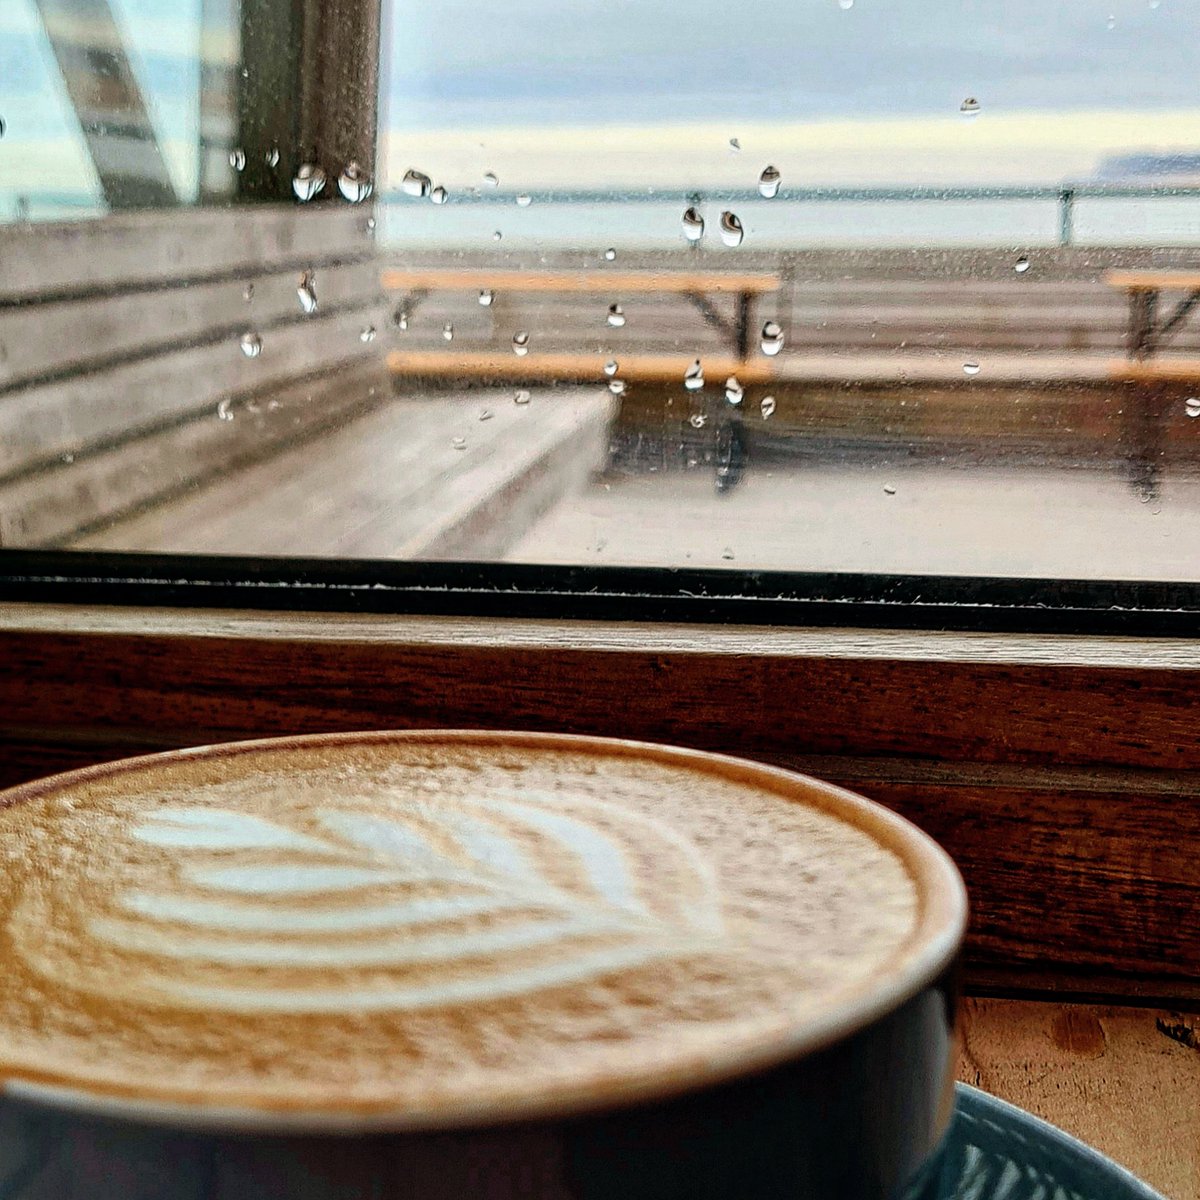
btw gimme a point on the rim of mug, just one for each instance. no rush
(926, 954)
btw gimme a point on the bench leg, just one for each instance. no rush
(741, 332)
(1143, 307)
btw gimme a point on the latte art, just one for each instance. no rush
(426, 926)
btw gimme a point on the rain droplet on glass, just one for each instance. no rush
(354, 183)
(271, 158)
(251, 344)
(486, 296)
(248, 292)
(845, 5)
(521, 397)
(734, 144)
(734, 392)
(491, 179)
(772, 338)
(697, 420)
(497, 236)
(308, 182)
(1191, 406)
(768, 182)
(609, 254)
(616, 316)
(617, 387)
(969, 107)
(1021, 265)
(731, 229)
(693, 225)
(448, 332)
(520, 344)
(237, 159)
(459, 443)
(439, 195)
(889, 489)
(3, 127)
(693, 377)
(485, 414)
(400, 319)
(727, 554)
(225, 410)
(306, 291)
(1112, 21)
(414, 183)
(524, 200)
(611, 367)
(767, 407)
(970, 367)
(367, 333)
(369, 224)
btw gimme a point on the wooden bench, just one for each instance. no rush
(1147, 331)
(696, 286)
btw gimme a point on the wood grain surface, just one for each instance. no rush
(1124, 1080)
(1062, 774)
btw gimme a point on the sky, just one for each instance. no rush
(629, 93)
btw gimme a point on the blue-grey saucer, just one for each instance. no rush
(997, 1152)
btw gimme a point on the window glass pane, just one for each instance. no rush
(842, 286)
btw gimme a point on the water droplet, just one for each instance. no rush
(772, 338)
(1191, 406)
(237, 159)
(369, 224)
(845, 5)
(251, 344)
(616, 316)
(354, 183)
(497, 236)
(448, 332)
(767, 406)
(1021, 265)
(439, 195)
(414, 183)
(68, 458)
(309, 182)
(225, 410)
(520, 344)
(367, 333)
(611, 367)
(485, 414)
(521, 397)
(459, 443)
(693, 225)
(734, 392)
(768, 182)
(245, 72)
(617, 387)
(400, 318)
(1153, 4)
(697, 420)
(693, 377)
(271, 158)
(609, 254)
(727, 554)
(248, 292)
(971, 367)
(3, 127)
(731, 229)
(969, 107)
(486, 297)
(524, 201)
(889, 489)
(491, 179)
(1112, 21)
(734, 145)
(306, 291)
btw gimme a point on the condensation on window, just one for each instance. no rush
(844, 286)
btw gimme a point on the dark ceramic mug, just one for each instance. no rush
(852, 1104)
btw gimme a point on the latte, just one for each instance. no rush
(432, 929)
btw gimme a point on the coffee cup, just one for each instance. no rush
(460, 964)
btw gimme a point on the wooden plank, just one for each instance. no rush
(40, 424)
(43, 339)
(411, 479)
(138, 250)
(553, 365)
(1152, 281)
(60, 502)
(1124, 1080)
(618, 283)
(1157, 370)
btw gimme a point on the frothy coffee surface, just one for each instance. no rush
(424, 926)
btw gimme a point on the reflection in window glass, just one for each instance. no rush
(844, 286)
